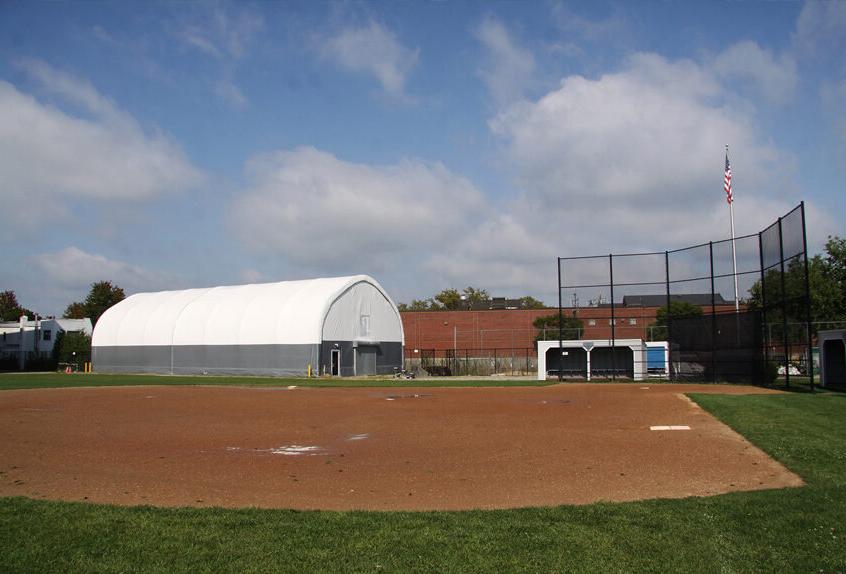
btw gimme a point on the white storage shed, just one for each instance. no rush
(339, 326)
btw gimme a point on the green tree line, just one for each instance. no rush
(826, 282)
(454, 300)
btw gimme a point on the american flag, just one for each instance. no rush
(727, 181)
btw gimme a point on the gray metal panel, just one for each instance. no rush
(202, 359)
(388, 356)
(365, 361)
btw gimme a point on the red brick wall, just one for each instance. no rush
(470, 329)
(512, 329)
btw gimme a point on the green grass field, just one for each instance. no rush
(793, 530)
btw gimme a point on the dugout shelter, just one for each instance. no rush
(339, 326)
(597, 358)
(832, 357)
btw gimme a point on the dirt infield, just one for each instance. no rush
(413, 449)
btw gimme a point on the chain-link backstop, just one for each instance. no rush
(713, 331)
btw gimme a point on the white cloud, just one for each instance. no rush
(228, 91)
(225, 36)
(375, 51)
(313, 209)
(819, 41)
(74, 270)
(652, 133)
(510, 69)
(773, 78)
(821, 27)
(505, 254)
(629, 161)
(610, 28)
(48, 156)
(73, 90)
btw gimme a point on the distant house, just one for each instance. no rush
(36, 338)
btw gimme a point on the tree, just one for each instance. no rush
(70, 342)
(676, 310)
(454, 300)
(835, 266)
(75, 311)
(547, 326)
(531, 303)
(474, 295)
(102, 296)
(10, 310)
(826, 283)
(448, 299)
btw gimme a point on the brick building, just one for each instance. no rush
(512, 328)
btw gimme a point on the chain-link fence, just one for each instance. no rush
(474, 362)
(731, 310)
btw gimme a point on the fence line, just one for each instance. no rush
(721, 343)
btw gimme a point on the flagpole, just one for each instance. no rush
(733, 250)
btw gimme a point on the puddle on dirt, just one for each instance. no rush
(286, 450)
(362, 436)
(555, 402)
(297, 450)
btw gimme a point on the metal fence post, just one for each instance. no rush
(668, 315)
(613, 317)
(713, 317)
(784, 335)
(560, 324)
(807, 299)
(765, 332)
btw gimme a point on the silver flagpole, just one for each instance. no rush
(733, 248)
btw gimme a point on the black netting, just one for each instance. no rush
(729, 310)
(720, 347)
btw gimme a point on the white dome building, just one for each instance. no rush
(340, 326)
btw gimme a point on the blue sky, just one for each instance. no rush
(429, 144)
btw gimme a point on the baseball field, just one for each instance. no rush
(160, 474)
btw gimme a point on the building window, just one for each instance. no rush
(632, 321)
(48, 335)
(591, 322)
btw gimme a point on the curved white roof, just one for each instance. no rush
(284, 313)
